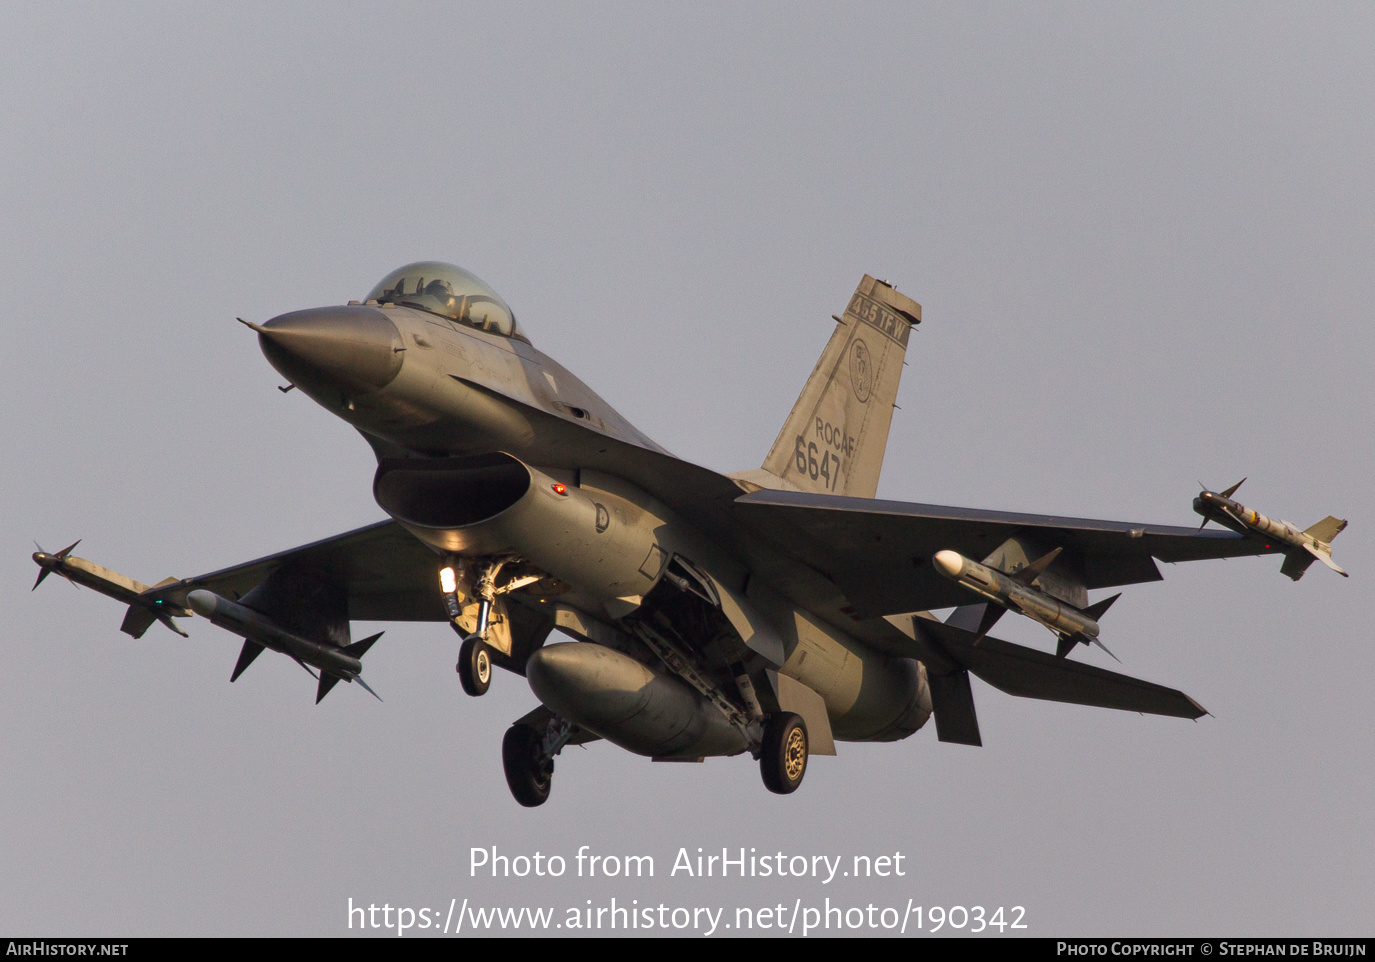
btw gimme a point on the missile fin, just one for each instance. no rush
(327, 681)
(166, 619)
(1096, 610)
(1202, 488)
(360, 648)
(366, 687)
(136, 621)
(250, 650)
(1233, 489)
(1326, 559)
(1105, 648)
(42, 573)
(977, 619)
(966, 617)
(1296, 563)
(60, 556)
(990, 618)
(1064, 646)
(1025, 576)
(1326, 529)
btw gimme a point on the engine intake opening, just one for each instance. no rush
(449, 492)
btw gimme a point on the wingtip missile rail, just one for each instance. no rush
(146, 603)
(1301, 548)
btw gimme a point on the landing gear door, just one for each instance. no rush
(796, 697)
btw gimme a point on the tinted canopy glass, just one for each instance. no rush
(450, 292)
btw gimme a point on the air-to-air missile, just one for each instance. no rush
(1300, 547)
(143, 609)
(336, 663)
(1014, 592)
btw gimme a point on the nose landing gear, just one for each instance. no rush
(474, 666)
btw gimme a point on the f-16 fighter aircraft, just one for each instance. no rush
(772, 612)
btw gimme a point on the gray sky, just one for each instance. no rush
(1142, 239)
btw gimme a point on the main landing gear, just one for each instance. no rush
(783, 756)
(529, 773)
(527, 757)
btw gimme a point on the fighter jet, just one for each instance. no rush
(773, 612)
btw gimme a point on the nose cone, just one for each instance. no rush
(354, 349)
(948, 563)
(202, 602)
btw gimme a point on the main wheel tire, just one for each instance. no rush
(783, 760)
(474, 666)
(527, 776)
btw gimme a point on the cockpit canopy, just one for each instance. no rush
(450, 292)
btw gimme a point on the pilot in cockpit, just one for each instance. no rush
(449, 292)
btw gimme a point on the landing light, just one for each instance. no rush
(447, 582)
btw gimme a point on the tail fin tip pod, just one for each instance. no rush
(834, 440)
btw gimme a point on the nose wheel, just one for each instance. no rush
(783, 756)
(474, 666)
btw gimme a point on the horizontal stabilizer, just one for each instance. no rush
(1029, 673)
(1327, 529)
(952, 702)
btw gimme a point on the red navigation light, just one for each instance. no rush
(560, 489)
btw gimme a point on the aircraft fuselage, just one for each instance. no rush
(420, 386)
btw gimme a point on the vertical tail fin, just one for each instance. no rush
(835, 437)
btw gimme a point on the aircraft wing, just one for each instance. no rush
(387, 573)
(879, 552)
